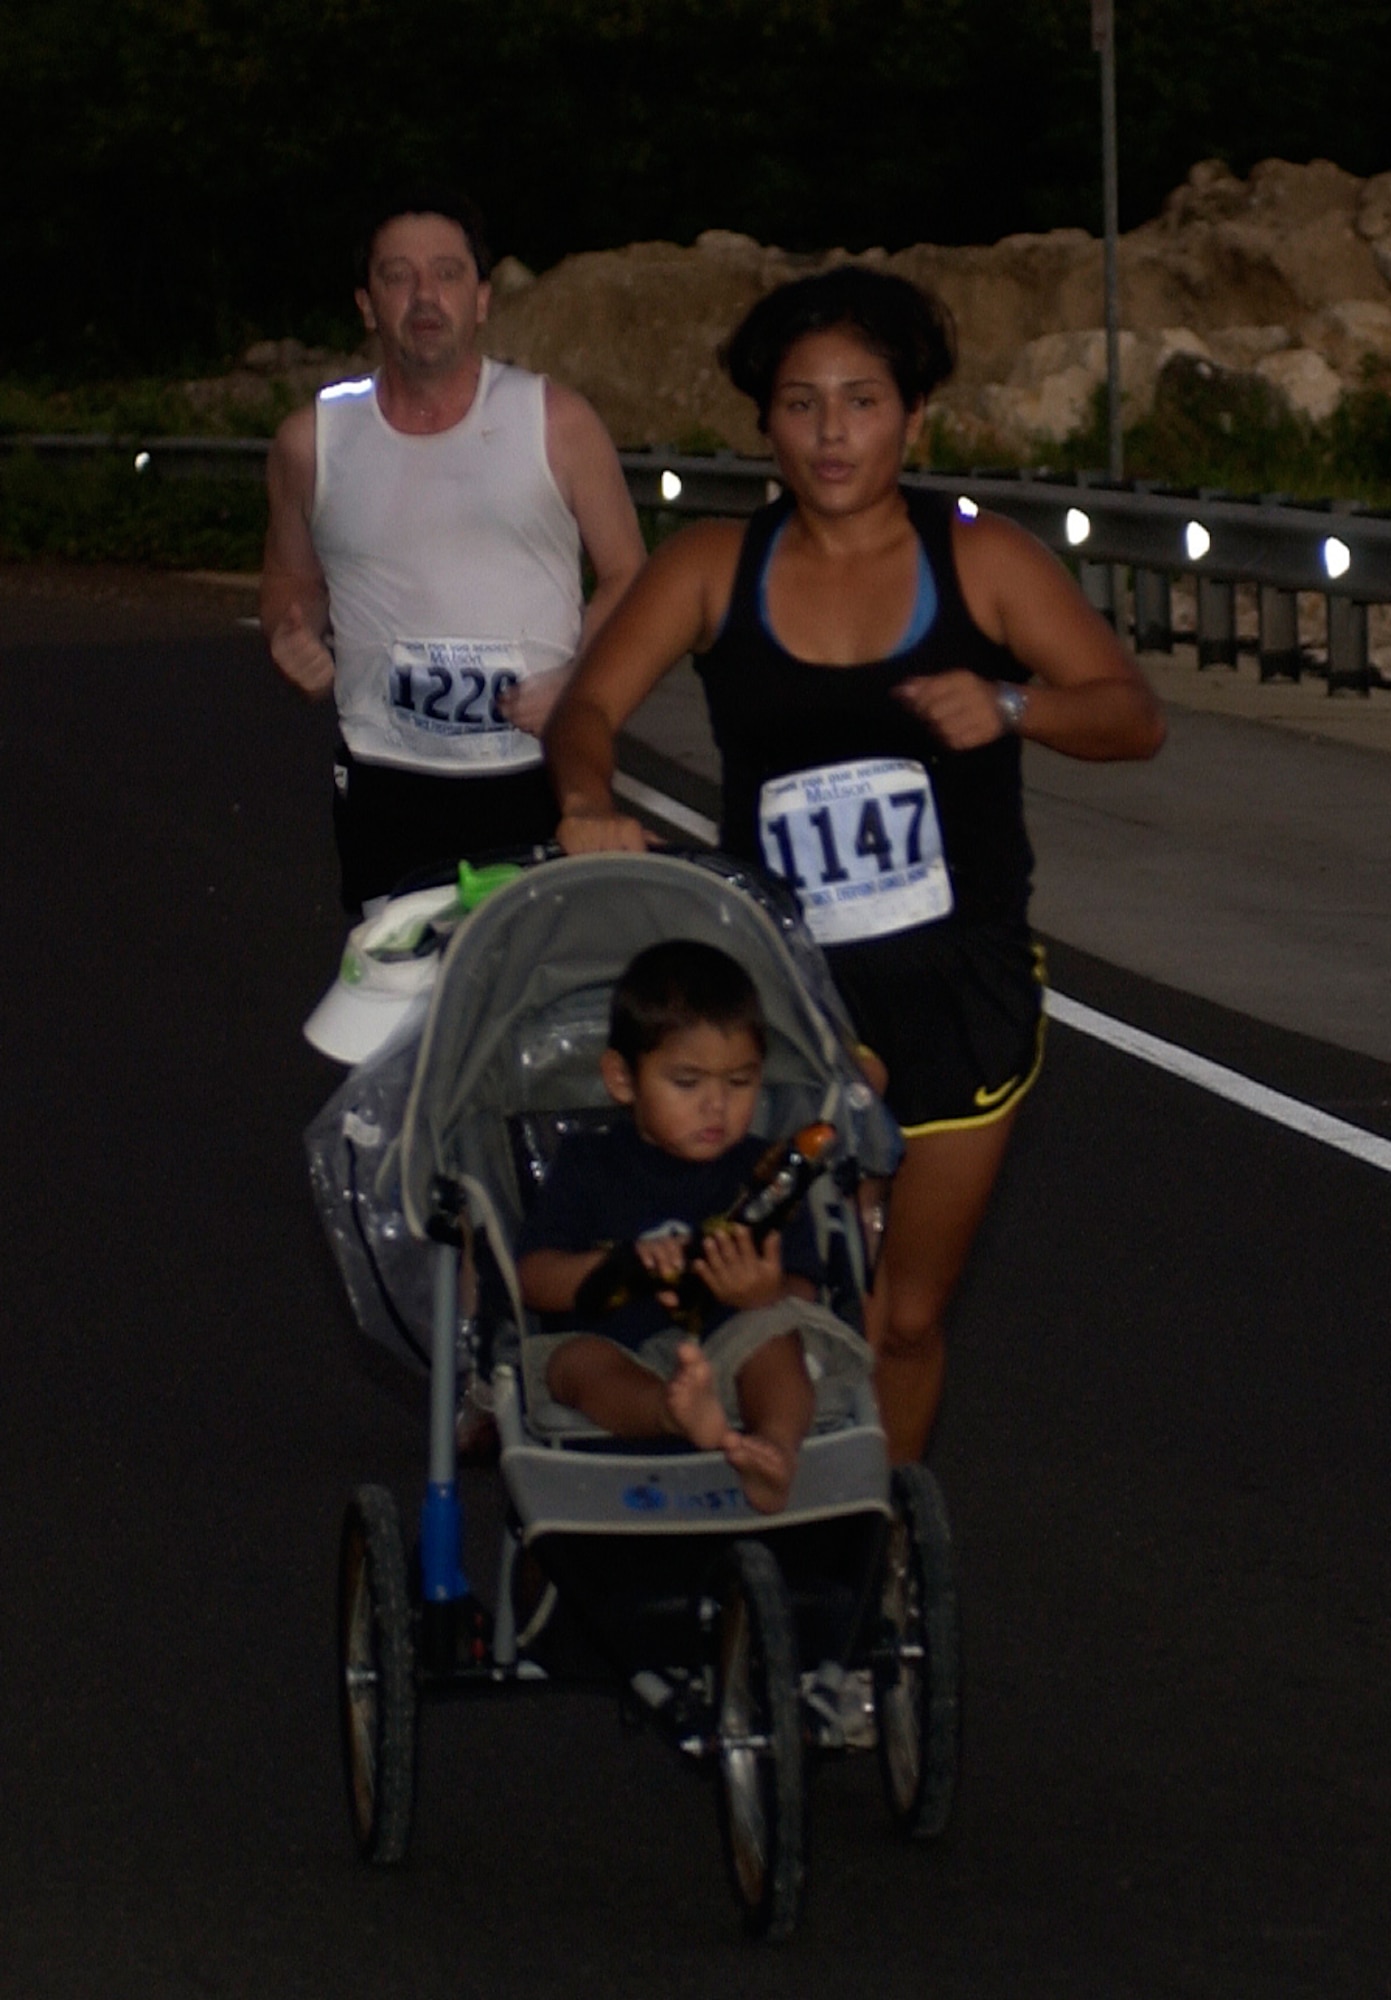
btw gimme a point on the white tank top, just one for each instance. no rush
(453, 568)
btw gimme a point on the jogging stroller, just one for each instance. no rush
(732, 1630)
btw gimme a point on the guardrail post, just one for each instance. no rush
(1098, 581)
(1280, 656)
(1154, 612)
(1216, 622)
(1348, 665)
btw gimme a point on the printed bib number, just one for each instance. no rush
(861, 845)
(450, 692)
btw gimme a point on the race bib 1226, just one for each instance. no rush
(450, 691)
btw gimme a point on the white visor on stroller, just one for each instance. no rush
(386, 976)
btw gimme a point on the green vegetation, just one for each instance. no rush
(697, 441)
(1252, 443)
(147, 407)
(102, 510)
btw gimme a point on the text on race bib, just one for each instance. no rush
(453, 687)
(860, 844)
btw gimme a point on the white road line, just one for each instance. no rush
(1211, 1076)
(670, 810)
(1228, 1083)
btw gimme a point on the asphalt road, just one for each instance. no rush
(1164, 1449)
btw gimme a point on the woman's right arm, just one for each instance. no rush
(674, 607)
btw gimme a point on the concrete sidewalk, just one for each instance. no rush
(1249, 864)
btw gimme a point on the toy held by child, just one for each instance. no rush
(770, 1196)
(685, 1057)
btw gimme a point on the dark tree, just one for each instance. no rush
(177, 176)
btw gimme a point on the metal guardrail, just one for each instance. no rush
(1339, 551)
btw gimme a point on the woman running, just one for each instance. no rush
(872, 657)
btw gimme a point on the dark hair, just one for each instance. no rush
(681, 984)
(908, 327)
(449, 202)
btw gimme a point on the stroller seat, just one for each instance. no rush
(833, 1358)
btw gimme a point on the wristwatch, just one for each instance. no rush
(1012, 703)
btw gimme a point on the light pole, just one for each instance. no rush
(1104, 42)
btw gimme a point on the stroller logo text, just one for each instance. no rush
(650, 1498)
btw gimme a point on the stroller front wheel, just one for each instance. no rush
(376, 1686)
(759, 1742)
(917, 1674)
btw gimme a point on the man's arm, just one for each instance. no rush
(294, 593)
(585, 467)
(591, 482)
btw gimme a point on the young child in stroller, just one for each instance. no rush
(685, 1057)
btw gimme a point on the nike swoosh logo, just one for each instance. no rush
(984, 1098)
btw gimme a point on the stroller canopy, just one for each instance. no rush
(520, 1012)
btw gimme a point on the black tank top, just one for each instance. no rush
(773, 714)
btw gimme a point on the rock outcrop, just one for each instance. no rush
(1284, 276)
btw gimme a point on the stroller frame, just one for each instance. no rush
(700, 1605)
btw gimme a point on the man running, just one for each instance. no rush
(423, 560)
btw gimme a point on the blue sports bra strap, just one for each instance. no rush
(756, 557)
(765, 525)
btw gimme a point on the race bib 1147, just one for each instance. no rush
(860, 843)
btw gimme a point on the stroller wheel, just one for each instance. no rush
(758, 1741)
(376, 1687)
(917, 1675)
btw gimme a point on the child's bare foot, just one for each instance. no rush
(765, 1469)
(691, 1402)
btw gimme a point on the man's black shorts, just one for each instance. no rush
(392, 825)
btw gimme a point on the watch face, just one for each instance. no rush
(1012, 702)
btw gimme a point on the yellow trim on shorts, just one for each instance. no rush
(1017, 1088)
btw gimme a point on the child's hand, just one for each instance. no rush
(738, 1272)
(664, 1258)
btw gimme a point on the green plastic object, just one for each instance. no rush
(477, 883)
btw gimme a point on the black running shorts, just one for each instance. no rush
(394, 825)
(954, 1012)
